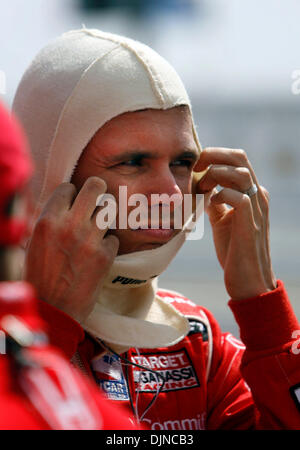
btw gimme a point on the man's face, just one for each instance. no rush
(149, 152)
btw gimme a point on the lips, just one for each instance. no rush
(158, 234)
(156, 226)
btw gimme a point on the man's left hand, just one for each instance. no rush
(240, 233)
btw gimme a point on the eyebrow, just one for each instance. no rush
(141, 154)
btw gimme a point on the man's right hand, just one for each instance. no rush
(68, 256)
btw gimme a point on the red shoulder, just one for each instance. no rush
(183, 304)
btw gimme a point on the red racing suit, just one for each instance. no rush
(210, 379)
(39, 388)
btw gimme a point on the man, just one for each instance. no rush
(103, 112)
(38, 388)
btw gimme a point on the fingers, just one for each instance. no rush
(228, 176)
(83, 205)
(112, 244)
(230, 168)
(214, 211)
(61, 200)
(106, 248)
(73, 217)
(237, 200)
(86, 200)
(227, 156)
(223, 155)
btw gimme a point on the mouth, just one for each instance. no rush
(160, 235)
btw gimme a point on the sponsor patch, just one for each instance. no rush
(126, 280)
(295, 393)
(196, 326)
(175, 369)
(109, 375)
(191, 423)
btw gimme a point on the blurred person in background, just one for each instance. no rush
(39, 389)
(103, 111)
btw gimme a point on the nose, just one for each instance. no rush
(162, 181)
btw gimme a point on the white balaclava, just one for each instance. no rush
(71, 89)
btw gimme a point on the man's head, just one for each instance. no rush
(90, 96)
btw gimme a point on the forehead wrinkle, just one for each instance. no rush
(105, 145)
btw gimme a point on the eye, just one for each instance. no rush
(132, 162)
(182, 163)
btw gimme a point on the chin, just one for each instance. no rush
(139, 240)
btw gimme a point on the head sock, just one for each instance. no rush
(73, 87)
